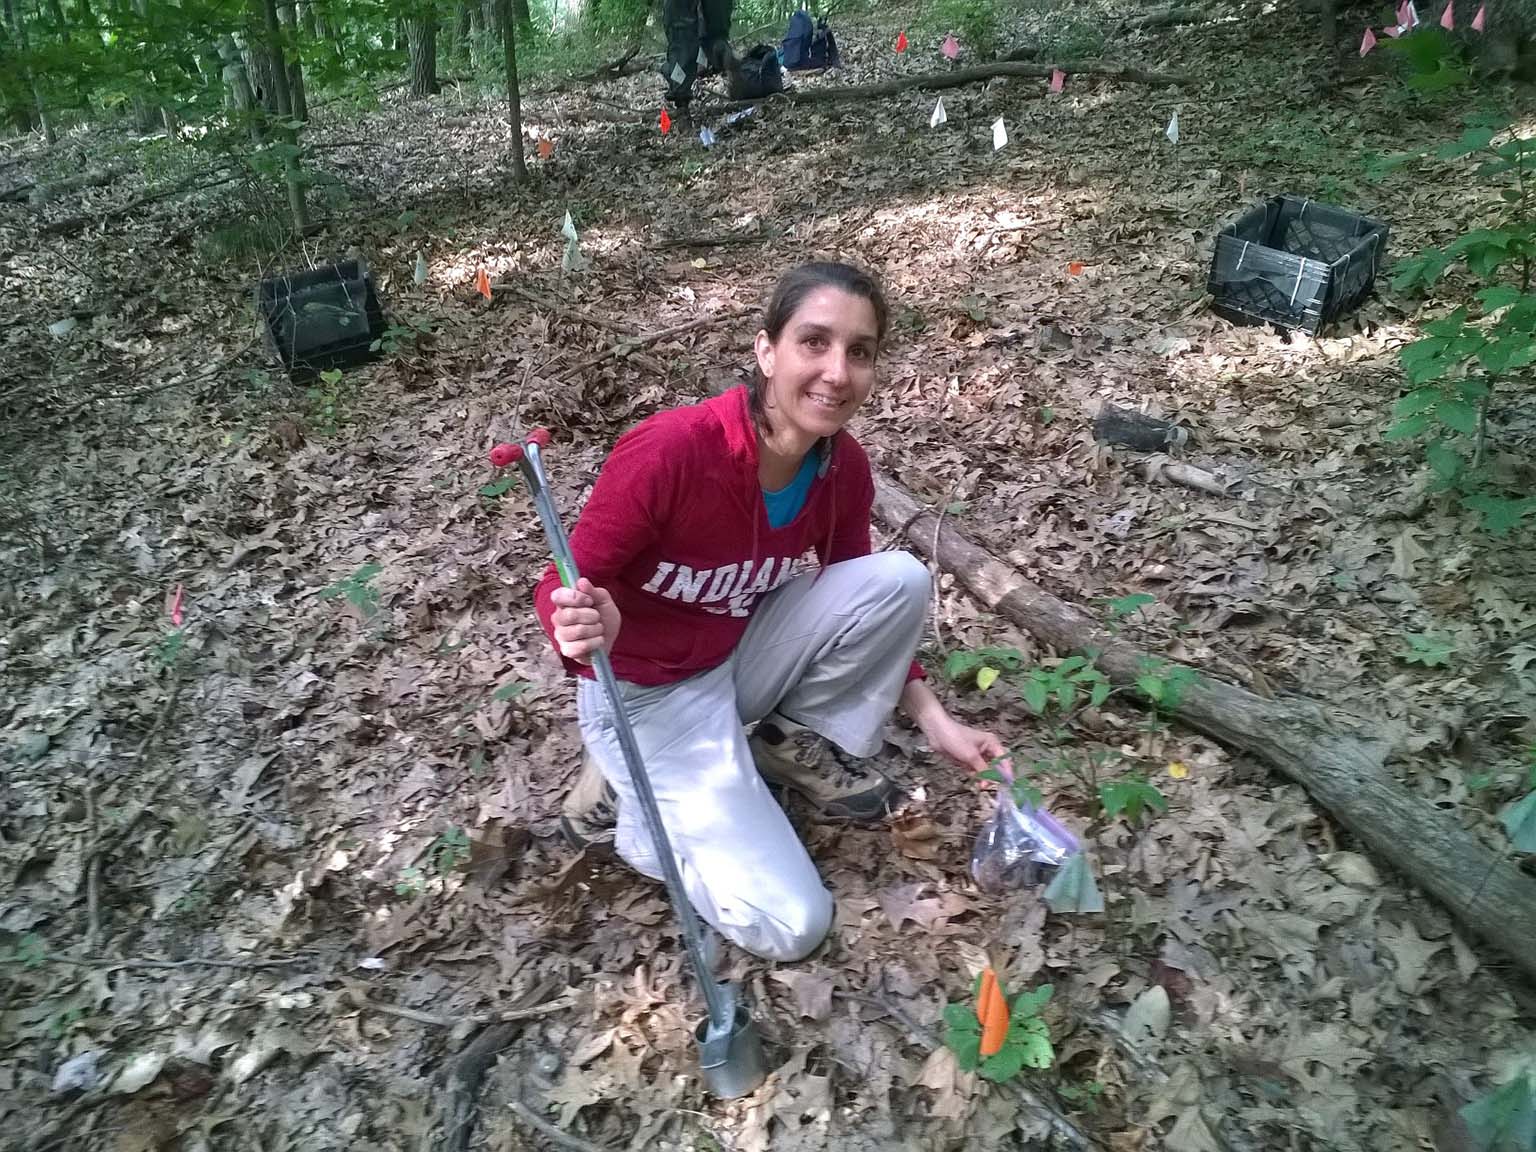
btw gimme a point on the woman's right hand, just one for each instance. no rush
(586, 620)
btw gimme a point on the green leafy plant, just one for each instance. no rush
(1063, 684)
(450, 850)
(29, 952)
(1432, 60)
(1164, 683)
(357, 589)
(499, 487)
(403, 338)
(1430, 651)
(1084, 1096)
(1122, 606)
(983, 665)
(1027, 1044)
(328, 402)
(1467, 358)
(1505, 1119)
(168, 651)
(973, 22)
(1519, 815)
(1130, 796)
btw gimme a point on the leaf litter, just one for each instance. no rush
(1253, 980)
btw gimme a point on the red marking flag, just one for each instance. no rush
(666, 122)
(901, 41)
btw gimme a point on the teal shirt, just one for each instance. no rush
(785, 504)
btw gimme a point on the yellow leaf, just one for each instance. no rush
(986, 678)
(700, 262)
(1178, 769)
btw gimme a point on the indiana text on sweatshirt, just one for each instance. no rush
(677, 531)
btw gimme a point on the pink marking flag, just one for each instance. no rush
(951, 48)
(1448, 18)
(1395, 31)
(1480, 21)
(176, 616)
(1367, 42)
(1058, 79)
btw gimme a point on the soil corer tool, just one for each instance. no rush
(730, 1051)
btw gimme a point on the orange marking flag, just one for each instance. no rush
(546, 148)
(992, 1011)
(483, 283)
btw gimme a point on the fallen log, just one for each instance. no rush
(1166, 18)
(1344, 770)
(933, 81)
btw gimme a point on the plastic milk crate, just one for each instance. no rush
(326, 317)
(1296, 263)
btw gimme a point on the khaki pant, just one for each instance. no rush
(830, 653)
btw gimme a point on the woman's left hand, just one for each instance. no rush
(970, 748)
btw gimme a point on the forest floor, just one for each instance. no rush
(340, 778)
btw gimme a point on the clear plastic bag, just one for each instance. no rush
(1017, 844)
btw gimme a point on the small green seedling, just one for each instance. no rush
(1430, 651)
(1062, 684)
(1130, 796)
(358, 591)
(985, 664)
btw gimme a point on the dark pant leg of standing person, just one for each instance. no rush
(681, 18)
(717, 33)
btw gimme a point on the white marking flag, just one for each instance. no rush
(1172, 131)
(999, 134)
(938, 116)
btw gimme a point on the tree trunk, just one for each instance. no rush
(1344, 772)
(514, 96)
(298, 101)
(459, 49)
(476, 32)
(311, 19)
(421, 31)
(292, 177)
(523, 15)
(39, 110)
(238, 96)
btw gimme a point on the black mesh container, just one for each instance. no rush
(327, 317)
(1296, 263)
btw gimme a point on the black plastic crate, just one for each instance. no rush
(326, 317)
(1296, 263)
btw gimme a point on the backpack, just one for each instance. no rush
(824, 47)
(756, 74)
(797, 40)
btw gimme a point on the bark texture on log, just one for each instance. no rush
(1344, 771)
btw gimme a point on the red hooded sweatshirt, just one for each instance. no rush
(677, 530)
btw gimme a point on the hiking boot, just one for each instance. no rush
(841, 786)
(591, 810)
